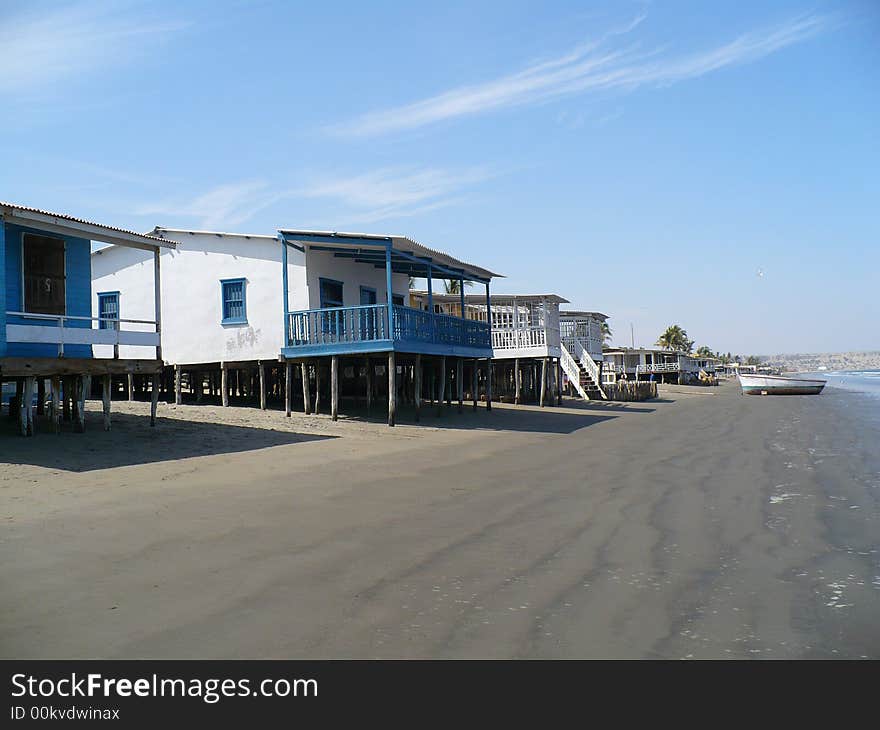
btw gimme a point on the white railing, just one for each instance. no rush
(63, 329)
(580, 353)
(658, 367)
(518, 339)
(571, 369)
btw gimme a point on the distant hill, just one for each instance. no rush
(830, 360)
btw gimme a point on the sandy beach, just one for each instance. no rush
(701, 525)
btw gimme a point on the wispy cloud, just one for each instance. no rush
(396, 192)
(219, 207)
(42, 46)
(590, 67)
(383, 194)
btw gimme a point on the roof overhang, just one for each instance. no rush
(66, 225)
(407, 256)
(573, 314)
(494, 298)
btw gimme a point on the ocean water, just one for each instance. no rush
(866, 382)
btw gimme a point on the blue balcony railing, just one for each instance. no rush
(368, 323)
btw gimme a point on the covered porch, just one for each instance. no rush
(407, 338)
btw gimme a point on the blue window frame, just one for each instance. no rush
(234, 301)
(331, 293)
(108, 308)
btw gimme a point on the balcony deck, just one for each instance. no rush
(361, 329)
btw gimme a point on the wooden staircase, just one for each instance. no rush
(579, 374)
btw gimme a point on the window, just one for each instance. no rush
(331, 293)
(234, 304)
(43, 274)
(108, 309)
(397, 299)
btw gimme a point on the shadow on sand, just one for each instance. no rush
(131, 441)
(504, 417)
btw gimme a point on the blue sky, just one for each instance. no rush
(711, 164)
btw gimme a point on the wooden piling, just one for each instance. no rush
(307, 401)
(261, 366)
(178, 395)
(417, 387)
(56, 404)
(516, 381)
(334, 387)
(318, 386)
(105, 398)
(288, 391)
(79, 417)
(392, 388)
(459, 381)
(41, 396)
(130, 380)
(26, 412)
(442, 391)
(543, 385)
(488, 384)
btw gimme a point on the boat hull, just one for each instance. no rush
(779, 385)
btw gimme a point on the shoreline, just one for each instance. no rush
(685, 527)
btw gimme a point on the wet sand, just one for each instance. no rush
(705, 524)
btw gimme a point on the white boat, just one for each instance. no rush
(779, 385)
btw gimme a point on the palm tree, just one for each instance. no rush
(704, 351)
(453, 286)
(675, 338)
(606, 333)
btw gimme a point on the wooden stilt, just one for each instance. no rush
(392, 389)
(105, 398)
(307, 400)
(558, 382)
(442, 391)
(334, 387)
(543, 385)
(489, 384)
(516, 381)
(288, 391)
(262, 369)
(417, 386)
(178, 395)
(56, 404)
(369, 385)
(79, 417)
(459, 381)
(26, 410)
(41, 396)
(475, 384)
(224, 384)
(317, 386)
(130, 386)
(15, 413)
(67, 397)
(154, 398)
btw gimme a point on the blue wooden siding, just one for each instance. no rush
(78, 291)
(2, 288)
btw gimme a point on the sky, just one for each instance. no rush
(714, 165)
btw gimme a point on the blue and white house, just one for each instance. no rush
(241, 310)
(48, 331)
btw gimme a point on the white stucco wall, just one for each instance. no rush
(353, 276)
(192, 331)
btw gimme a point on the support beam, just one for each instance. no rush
(224, 384)
(392, 388)
(442, 393)
(459, 381)
(157, 293)
(79, 416)
(543, 386)
(261, 366)
(558, 382)
(130, 380)
(474, 375)
(417, 378)
(105, 399)
(369, 385)
(56, 404)
(288, 381)
(67, 397)
(154, 399)
(178, 395)
(307, 399)
(25, 412)
(41, 395)
(516, 381)
(318, 386)
(488, 384)
(334, 387)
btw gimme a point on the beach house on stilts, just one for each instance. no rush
(255, 318)
(582, 335)
(362, 329)
(49, 333)
(526, 346)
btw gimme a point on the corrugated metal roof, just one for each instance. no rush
(111, 234)
(402, 243)
(481, 298)
(577, 313)
(159, 230)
